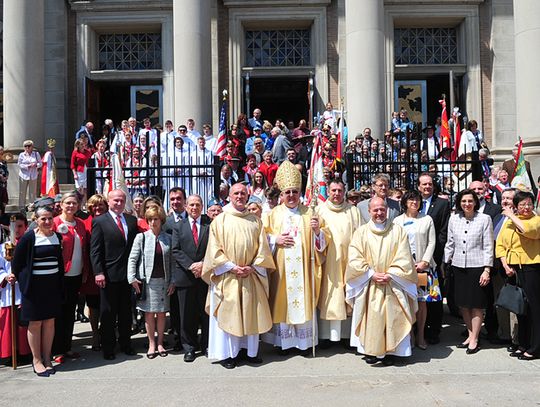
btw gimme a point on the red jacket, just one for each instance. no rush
(269, 172)
(79, 159)
(68, 243)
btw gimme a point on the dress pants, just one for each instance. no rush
(63, 325)
(191, 301)
(174, 314)
(529, 325)
(115, 305)
(27, 186)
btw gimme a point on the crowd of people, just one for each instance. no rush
(368, 267)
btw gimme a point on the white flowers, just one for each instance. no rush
(63, 229)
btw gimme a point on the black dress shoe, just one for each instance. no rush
(284, 352)
(512, 348)
(189, 356)
(228, 363)
(462, 345)
(109, 356)
(129, 352)
(526, 357)
(472, 351)
(371, 360)
(388, 360)
(516, 354)
(254, 360)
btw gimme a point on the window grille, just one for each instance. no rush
(278, 48)
(130, 51)
(420, 46)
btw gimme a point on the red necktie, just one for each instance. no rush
(195, 233)
(121, 227)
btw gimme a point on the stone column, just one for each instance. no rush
(364, 22)
(23, 72)
(192, 61)
(527, 34)
(24, 83)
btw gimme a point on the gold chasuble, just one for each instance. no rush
(342, 221)
(241, 304)
(290, 286)
(383, 315)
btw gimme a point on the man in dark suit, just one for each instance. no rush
(493, 210)
(439, 210)
(177, 203)
(110, 244)
(189, 241)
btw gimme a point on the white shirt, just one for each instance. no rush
(25, 160)
(76, 257)
(197, 222)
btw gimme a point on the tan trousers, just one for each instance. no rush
(27, 186)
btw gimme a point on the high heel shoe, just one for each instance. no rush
(45, 373)
(473, 350)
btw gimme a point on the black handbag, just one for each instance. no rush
(512, 298)
(142, 287)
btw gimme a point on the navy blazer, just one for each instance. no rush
(185, 252)
(23, 260)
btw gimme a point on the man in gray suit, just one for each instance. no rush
(177, 203)
(380, 185)
(281, 145)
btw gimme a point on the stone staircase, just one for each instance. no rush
(13, 204)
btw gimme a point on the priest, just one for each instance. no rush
(342, 220)
(298, 240)
(236, 264)
(381, 288)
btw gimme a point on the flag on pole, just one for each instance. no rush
(222, 135)
(521, 179)
(117, 181)
(445, 133)
(340, 135)
(316, 185)
(457, 132)
(49, 178)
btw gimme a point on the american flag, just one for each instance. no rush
(222, 135)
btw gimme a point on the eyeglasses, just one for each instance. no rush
(525, 205)
(291, 192)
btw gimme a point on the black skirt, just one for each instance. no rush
(44, 298)
(467, 290)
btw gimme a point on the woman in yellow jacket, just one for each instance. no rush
(518, 247)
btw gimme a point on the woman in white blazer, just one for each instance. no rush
(422, 239)
(149, 272)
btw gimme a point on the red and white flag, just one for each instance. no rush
(316, 185)
(49, 179)
(445, 133)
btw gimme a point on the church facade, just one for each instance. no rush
(65, 62)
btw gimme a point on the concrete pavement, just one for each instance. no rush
(440, 375)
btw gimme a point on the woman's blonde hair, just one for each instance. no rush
(155, 212)
(94, 201)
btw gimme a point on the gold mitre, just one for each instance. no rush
(51, 143)
(288, 176)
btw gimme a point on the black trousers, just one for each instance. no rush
(191, 302)
(115, 306)
(174, 314)
(529, 325)
(63, 325)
